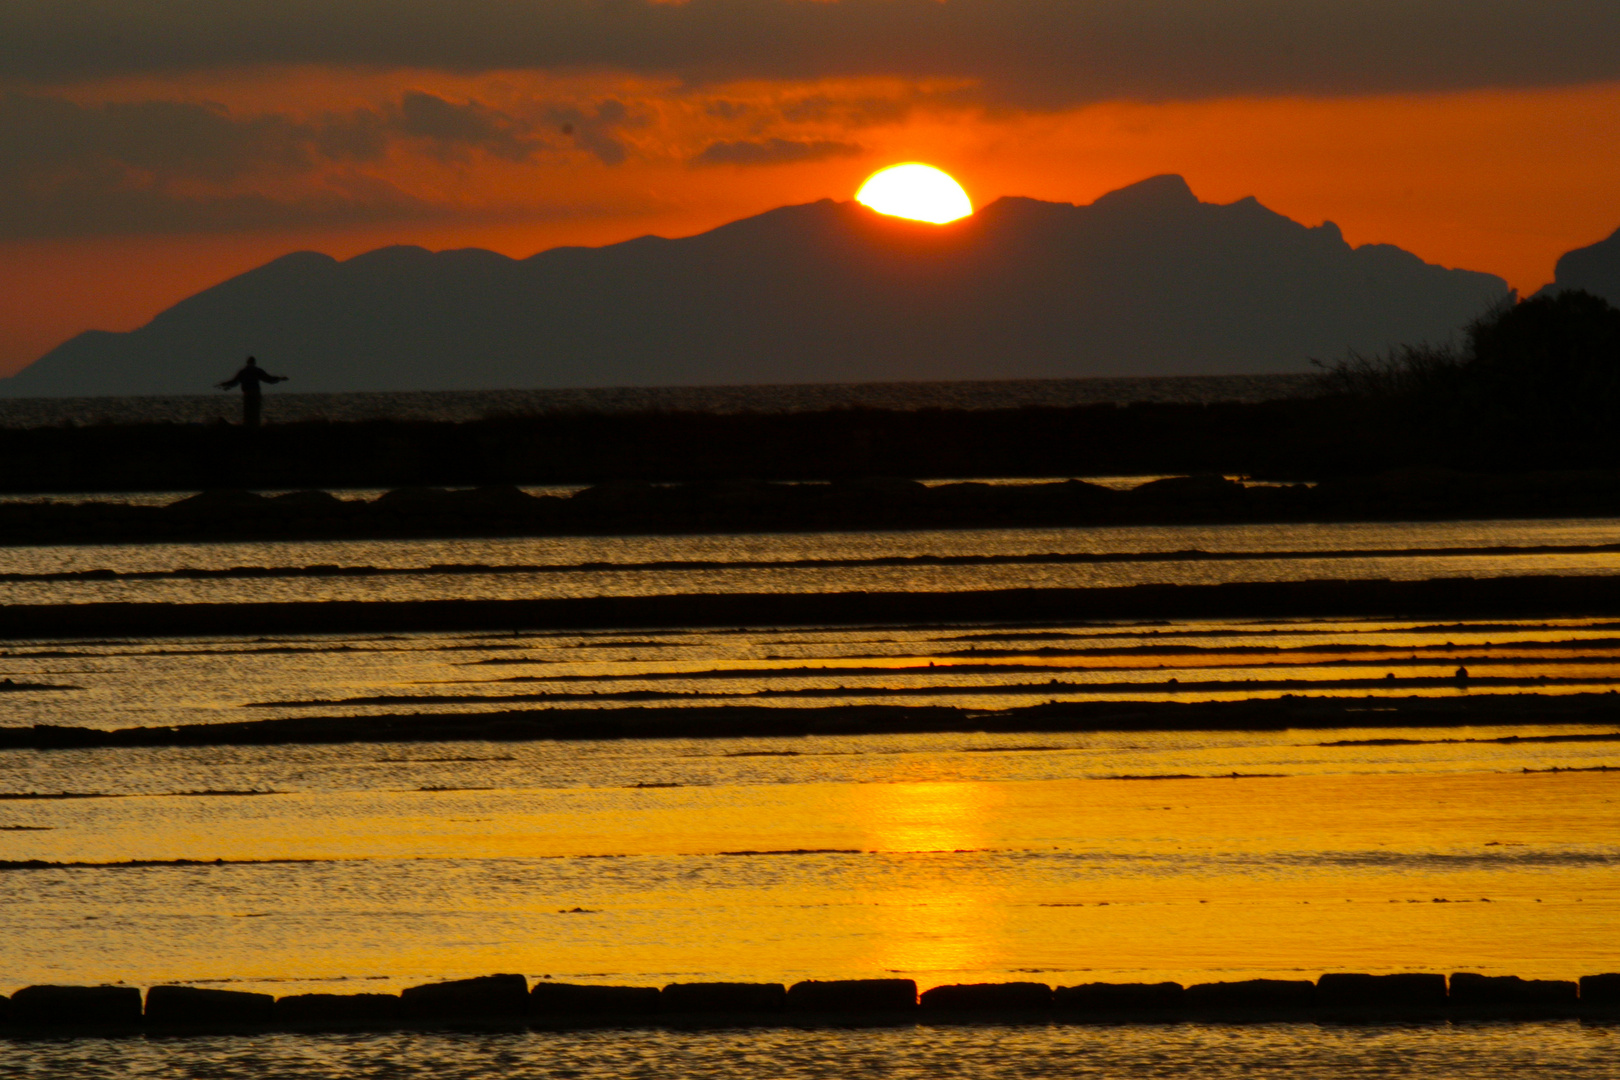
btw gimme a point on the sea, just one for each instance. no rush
(969, 856)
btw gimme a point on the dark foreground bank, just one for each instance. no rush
(1288, 438)
(508, 1000)
(627, 507)
(1545, 419)
(1290, 711)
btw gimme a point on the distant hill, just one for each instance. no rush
(1145, 281)
(1594, 269)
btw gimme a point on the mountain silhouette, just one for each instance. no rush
(1594, 269)
(1147, 280)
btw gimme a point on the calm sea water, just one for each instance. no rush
(1062, 858)
(473, 405)
(1296, 1052)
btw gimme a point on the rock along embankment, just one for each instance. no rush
(509, 1001)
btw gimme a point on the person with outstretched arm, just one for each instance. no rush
(250, 378)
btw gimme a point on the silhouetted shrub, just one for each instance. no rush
(1545, 369)
(1406, 373)
(1552, 363)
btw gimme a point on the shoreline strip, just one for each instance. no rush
(1543, 596)
(755, 721)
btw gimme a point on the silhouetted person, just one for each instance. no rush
(249, 379)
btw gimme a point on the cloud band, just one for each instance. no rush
(1031, 53)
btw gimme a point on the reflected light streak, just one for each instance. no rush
(940, 925)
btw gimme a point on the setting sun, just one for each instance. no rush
(916, 191)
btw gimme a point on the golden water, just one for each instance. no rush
(944, 858)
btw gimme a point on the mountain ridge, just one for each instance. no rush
(1146, 280)
(1594, 268)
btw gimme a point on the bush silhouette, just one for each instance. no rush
(1547, 368)
(1548, 364)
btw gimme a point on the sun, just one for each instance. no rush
(917, 191)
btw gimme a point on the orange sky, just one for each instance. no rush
(274, 160)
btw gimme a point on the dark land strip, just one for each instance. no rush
(1502, 740)
(619, 509)
(327, 570)
(1300, 438)
(1347, 649)
(504, 642)
(135, 864)
(29, 796)
(1456, 598)
(1349, 654)
(1053, 686)
(737, 721)
(32, 795)
(1574, 768)
(1160, 630)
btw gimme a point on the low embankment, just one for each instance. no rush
(670, 445)
(509, 1000)
(1542, 596)
(764, 721)
(1298, 438)
(624, 508)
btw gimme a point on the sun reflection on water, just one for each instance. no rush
(944, 921)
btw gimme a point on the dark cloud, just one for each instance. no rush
(772, 152)
(721, 109)
(102, 204)
(160, 166)
(208, 142)
(460, 127)
(361, 135)
(596, 131)
(863, 111)
(1032, 52)
(43, 135)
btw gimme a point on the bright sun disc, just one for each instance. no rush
(916, 191)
